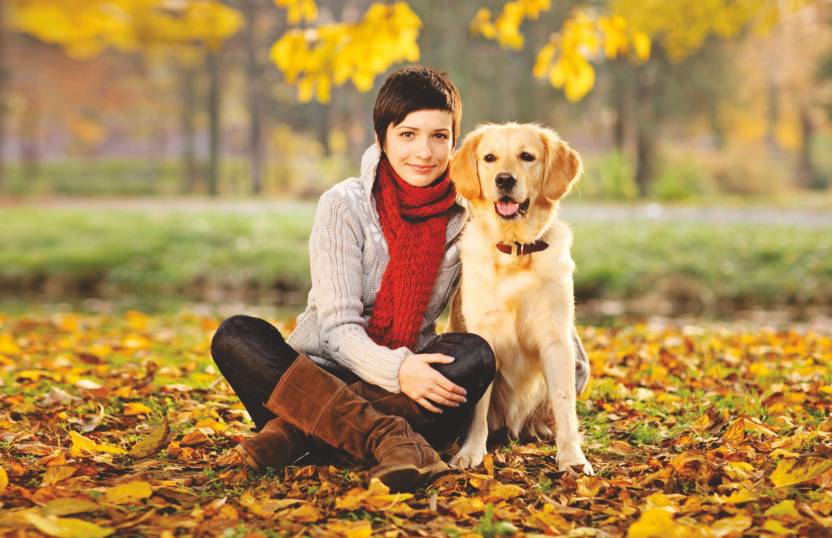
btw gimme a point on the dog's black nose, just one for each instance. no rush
(505, 181)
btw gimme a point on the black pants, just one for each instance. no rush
(252, 355)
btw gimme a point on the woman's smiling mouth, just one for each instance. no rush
(421, 169)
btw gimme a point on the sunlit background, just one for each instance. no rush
(167, 154)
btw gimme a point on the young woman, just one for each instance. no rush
(364, 370)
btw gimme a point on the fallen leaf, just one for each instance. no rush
(196, 437)
(772, 525)
(129, 492)
(66, 506)
(55, 474)
(150, 443)
(306, 513)
(4, 479)
(730, 525)
(82, 446)
(795, 471)
(783, 508)
(136, 408)
(657, 523)
(503, 492)
(66, 527)
(351, 529)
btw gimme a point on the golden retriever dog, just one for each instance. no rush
(516, 289)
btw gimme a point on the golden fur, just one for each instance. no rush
(523, 305)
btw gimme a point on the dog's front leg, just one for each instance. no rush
(474, 448)
(559, 370)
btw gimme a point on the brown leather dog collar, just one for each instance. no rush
(521, 249)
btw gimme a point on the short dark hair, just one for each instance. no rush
(413, 88)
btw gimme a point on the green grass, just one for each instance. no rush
(212, 256)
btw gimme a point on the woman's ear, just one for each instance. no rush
(562, 166)
(464, 171)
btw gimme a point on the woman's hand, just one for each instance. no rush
(424, 385)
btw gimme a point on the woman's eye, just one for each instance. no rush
(490, 158)
(527, 156)
(442, 136)
(407, 134)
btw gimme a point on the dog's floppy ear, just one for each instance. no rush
(561, 168)
(464, 171)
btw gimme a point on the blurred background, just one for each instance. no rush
(167, 154)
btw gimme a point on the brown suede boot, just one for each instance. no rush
(323, 406)
(279, 443)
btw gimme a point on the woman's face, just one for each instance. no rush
(419, 148)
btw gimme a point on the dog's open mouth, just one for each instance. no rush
(509, 209)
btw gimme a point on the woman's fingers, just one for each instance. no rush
(448, 396)
(427, 405)
(442, 400)
(437, 357)
(449, 385)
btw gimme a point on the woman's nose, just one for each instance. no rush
(424, 150)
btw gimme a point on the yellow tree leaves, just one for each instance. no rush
(66, 527)
(506, 27)
(682, 26)
(566, 59)
(298, 10)
(332, 54)
(84, 28)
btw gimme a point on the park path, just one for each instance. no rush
(570, 211)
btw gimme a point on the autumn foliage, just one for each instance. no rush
(111, 425)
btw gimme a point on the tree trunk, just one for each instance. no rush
(29, 147)
(188, 110)
(645, 131)
(213, 122)
(254, 77)
(807, 171)
(773, 116)
(3, 75)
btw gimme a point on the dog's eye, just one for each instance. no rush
(490, 158)
(526, 156)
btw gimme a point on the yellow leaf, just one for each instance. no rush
(795, 471)
(730, 525)
(7, 345)
(464, 506)
(214, 424)
(772, 525)
(82, 446)
(136, 408)
(503, 492)
(4, 479)
(129, 492)
(55, 474)
(150, 443)
(740, 496)
(65, 506)
(641, 44)
(66, 527)
(784, 508)
(657, 523)
(306, 513)
(351, 529)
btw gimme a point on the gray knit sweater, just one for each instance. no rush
(347, 256)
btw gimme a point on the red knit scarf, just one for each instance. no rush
(414, 221)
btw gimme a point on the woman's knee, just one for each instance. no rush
(475, 364)
(227, 333)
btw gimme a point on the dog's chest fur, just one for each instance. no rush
(513, 302)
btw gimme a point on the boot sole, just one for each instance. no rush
(408, 476)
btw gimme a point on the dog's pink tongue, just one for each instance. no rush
(507, 209)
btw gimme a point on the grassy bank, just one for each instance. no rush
(262, 256)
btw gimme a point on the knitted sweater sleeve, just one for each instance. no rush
(335, 256)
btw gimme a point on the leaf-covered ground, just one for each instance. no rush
(112, 426)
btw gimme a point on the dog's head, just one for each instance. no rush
(514, 167)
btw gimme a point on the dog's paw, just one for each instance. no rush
(468, 457)
(575, 463)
